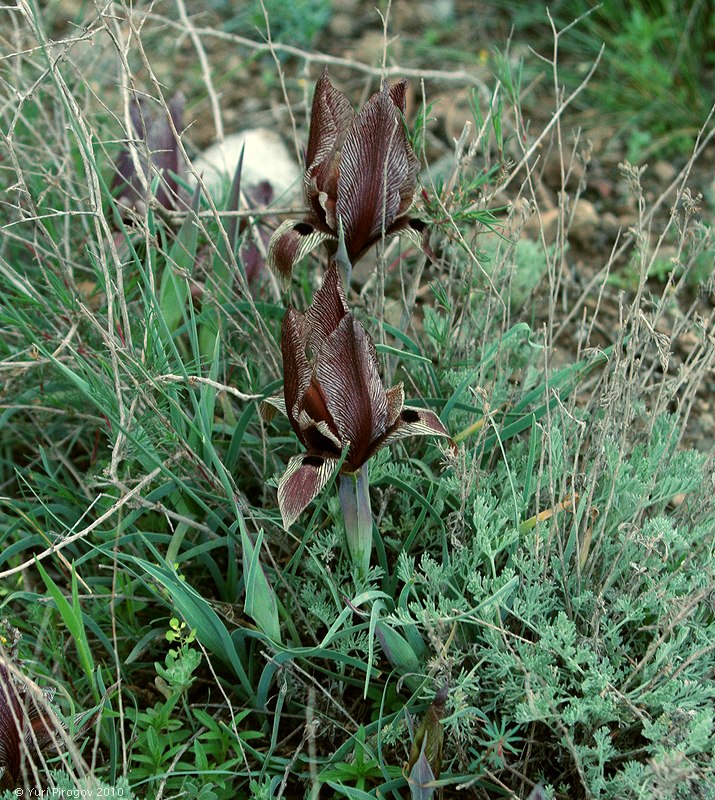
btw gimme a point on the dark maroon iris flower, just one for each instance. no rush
(155, 151)
(334, 398)
(360, 172)
(26, 726)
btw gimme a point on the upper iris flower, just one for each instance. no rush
(334, 398)
(156, 152)
(360, 173)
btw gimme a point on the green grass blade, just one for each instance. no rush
(519, 330)
(260, 602)
(174, 292)
(72, 617)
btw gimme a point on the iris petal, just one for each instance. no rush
(328, 308)
(377, 173)
(296, 370)
(346, 368)
(301, 483)
(411, 422)
(330, 121)
(291, 242)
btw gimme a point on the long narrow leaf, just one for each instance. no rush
(174, 291)
(260, 602)
(209, 335)
(72, 617)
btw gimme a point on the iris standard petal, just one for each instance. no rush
(297, 371)
(398, 95)
(330, 121)
(313, 406)
(346, 368)
(329, 306)
(377, 173)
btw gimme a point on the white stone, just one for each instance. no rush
(266, 158)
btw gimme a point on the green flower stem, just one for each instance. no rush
(354, 490)
(344, 265)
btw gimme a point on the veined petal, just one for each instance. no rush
(328, 308)
(269, 406)
(395, 401)
(313, 402)
(310, 427)
(302, 481)
(377, 173)
(416, 230)
(412, 422)
(398, 95)
(330, 119)
(293, 240)
(296, 370)
(346, 369)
